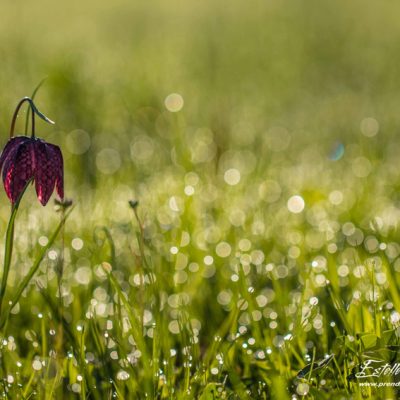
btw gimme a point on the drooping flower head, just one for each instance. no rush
(26, 159)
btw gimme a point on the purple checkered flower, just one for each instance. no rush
(26, 159)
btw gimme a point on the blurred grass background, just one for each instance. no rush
(298, 98)
(315, 68)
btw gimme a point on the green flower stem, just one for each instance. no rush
(9, 246)
(34, 111)
(28, 111)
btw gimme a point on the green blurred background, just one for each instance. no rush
(316, 68)
(270, 100)
(296, 98)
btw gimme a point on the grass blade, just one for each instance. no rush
(25, 282)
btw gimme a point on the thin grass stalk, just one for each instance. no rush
(9, 244)
(25, 282)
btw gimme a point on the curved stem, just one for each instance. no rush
(34, 111)
(33, 98)
(14, 118)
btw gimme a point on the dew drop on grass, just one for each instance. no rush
(189, 190)
(295, 204)
(122, 375)
(232, 176)
(281, 271)
(369, 127)
(208, 260)
(313, 301)
(242, 305)
(273, 325)
(223, 249)
(174, 102)
(244, 245)
(261, 300)
(288, 336)
(11, 345)
(109, 324)
(43, 240)
(15, 309)
(37, 365)
(193, 267)
(260, 355)
(332, 248)
(76, 387)
(278, 341)
(242, 330)
(256, 315)
(257, 257)
(150, 332)
(173, 327)
(302, 389)
(174, 250)
(394, 317)
(52, 254)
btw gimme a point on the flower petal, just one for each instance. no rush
(58, 167)
(18, 170)
(45, 174)
(10, 148)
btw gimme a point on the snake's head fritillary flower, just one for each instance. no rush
(26, 159)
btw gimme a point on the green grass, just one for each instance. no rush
(205, 289)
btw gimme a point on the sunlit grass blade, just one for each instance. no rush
(135, 325)
(28, 277)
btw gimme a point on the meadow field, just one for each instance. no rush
(235, 181)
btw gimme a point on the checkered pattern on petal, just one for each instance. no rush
(57, 167)
(45, 174)
(24, 158)
(11, 148)
(18, 170)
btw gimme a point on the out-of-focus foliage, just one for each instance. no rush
(260, 139)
